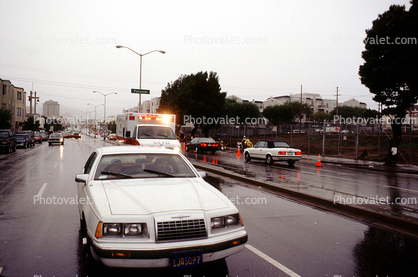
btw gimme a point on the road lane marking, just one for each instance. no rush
(42, 189)
(401, 188)
(272, 261)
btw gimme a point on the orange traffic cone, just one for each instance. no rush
(318, 161)
(239, 151)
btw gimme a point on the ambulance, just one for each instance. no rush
(153, 130)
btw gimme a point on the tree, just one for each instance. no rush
(56, 125)
(286, 113)
(390, 69)
(244, 113)
(6, 117)
(321, 116)
(31, 124)
(196, 98)
(354, 113)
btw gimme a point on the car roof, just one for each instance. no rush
(133, 150)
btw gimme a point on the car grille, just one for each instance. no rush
(181, 230)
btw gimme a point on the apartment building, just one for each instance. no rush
(51, 109)
(14, 99)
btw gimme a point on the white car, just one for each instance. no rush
(145, 207)
(271, 151)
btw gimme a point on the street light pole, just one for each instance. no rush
(140, 68)
(104, 100)
(95, 114)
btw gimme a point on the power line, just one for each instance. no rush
(63, 84)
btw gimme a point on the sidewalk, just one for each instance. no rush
(372, 165)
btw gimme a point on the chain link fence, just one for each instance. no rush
(366, 142)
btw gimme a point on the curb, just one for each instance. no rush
(382, 220)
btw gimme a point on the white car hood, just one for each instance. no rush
(154, 195)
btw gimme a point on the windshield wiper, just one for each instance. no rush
(159, 172)
(117, 174)
(145, 134)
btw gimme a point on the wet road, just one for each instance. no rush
(39, 232)
(387, 192)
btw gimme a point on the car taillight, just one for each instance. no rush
(203, 144)
(298, 153)
(215, 145)
(282, 153)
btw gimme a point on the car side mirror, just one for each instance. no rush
(81, 178)
(202, 174)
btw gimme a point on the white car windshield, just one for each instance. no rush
(155, 132)
(126, 166)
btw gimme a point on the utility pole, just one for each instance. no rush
(337, 101)
(300, 113)
(35, 99)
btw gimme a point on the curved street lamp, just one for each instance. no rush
(95, 112)
(140, 67)
(104, 100)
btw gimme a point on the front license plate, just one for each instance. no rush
(186, 259)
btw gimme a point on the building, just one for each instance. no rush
(51, 109)
(14, 99)
(151, 106)
(354, 103)
(313, 100)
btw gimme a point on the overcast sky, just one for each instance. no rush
(65, 50)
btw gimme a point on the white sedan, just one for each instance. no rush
(143, 207)
(271, 151)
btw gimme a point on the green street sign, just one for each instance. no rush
(140, 91)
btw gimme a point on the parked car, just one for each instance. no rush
(73, 135)
(297, 131)
(8, 140)
(44, 136)
(30, 134)
(149, 207)
(112, 137)
(37, 137)
(271, 151)
(56, 138)
(22, 140)
(202, 144)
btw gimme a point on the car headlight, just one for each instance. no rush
(225, 222)
(110, 229)
(121, 229)
(132, 229)
(176, 149)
